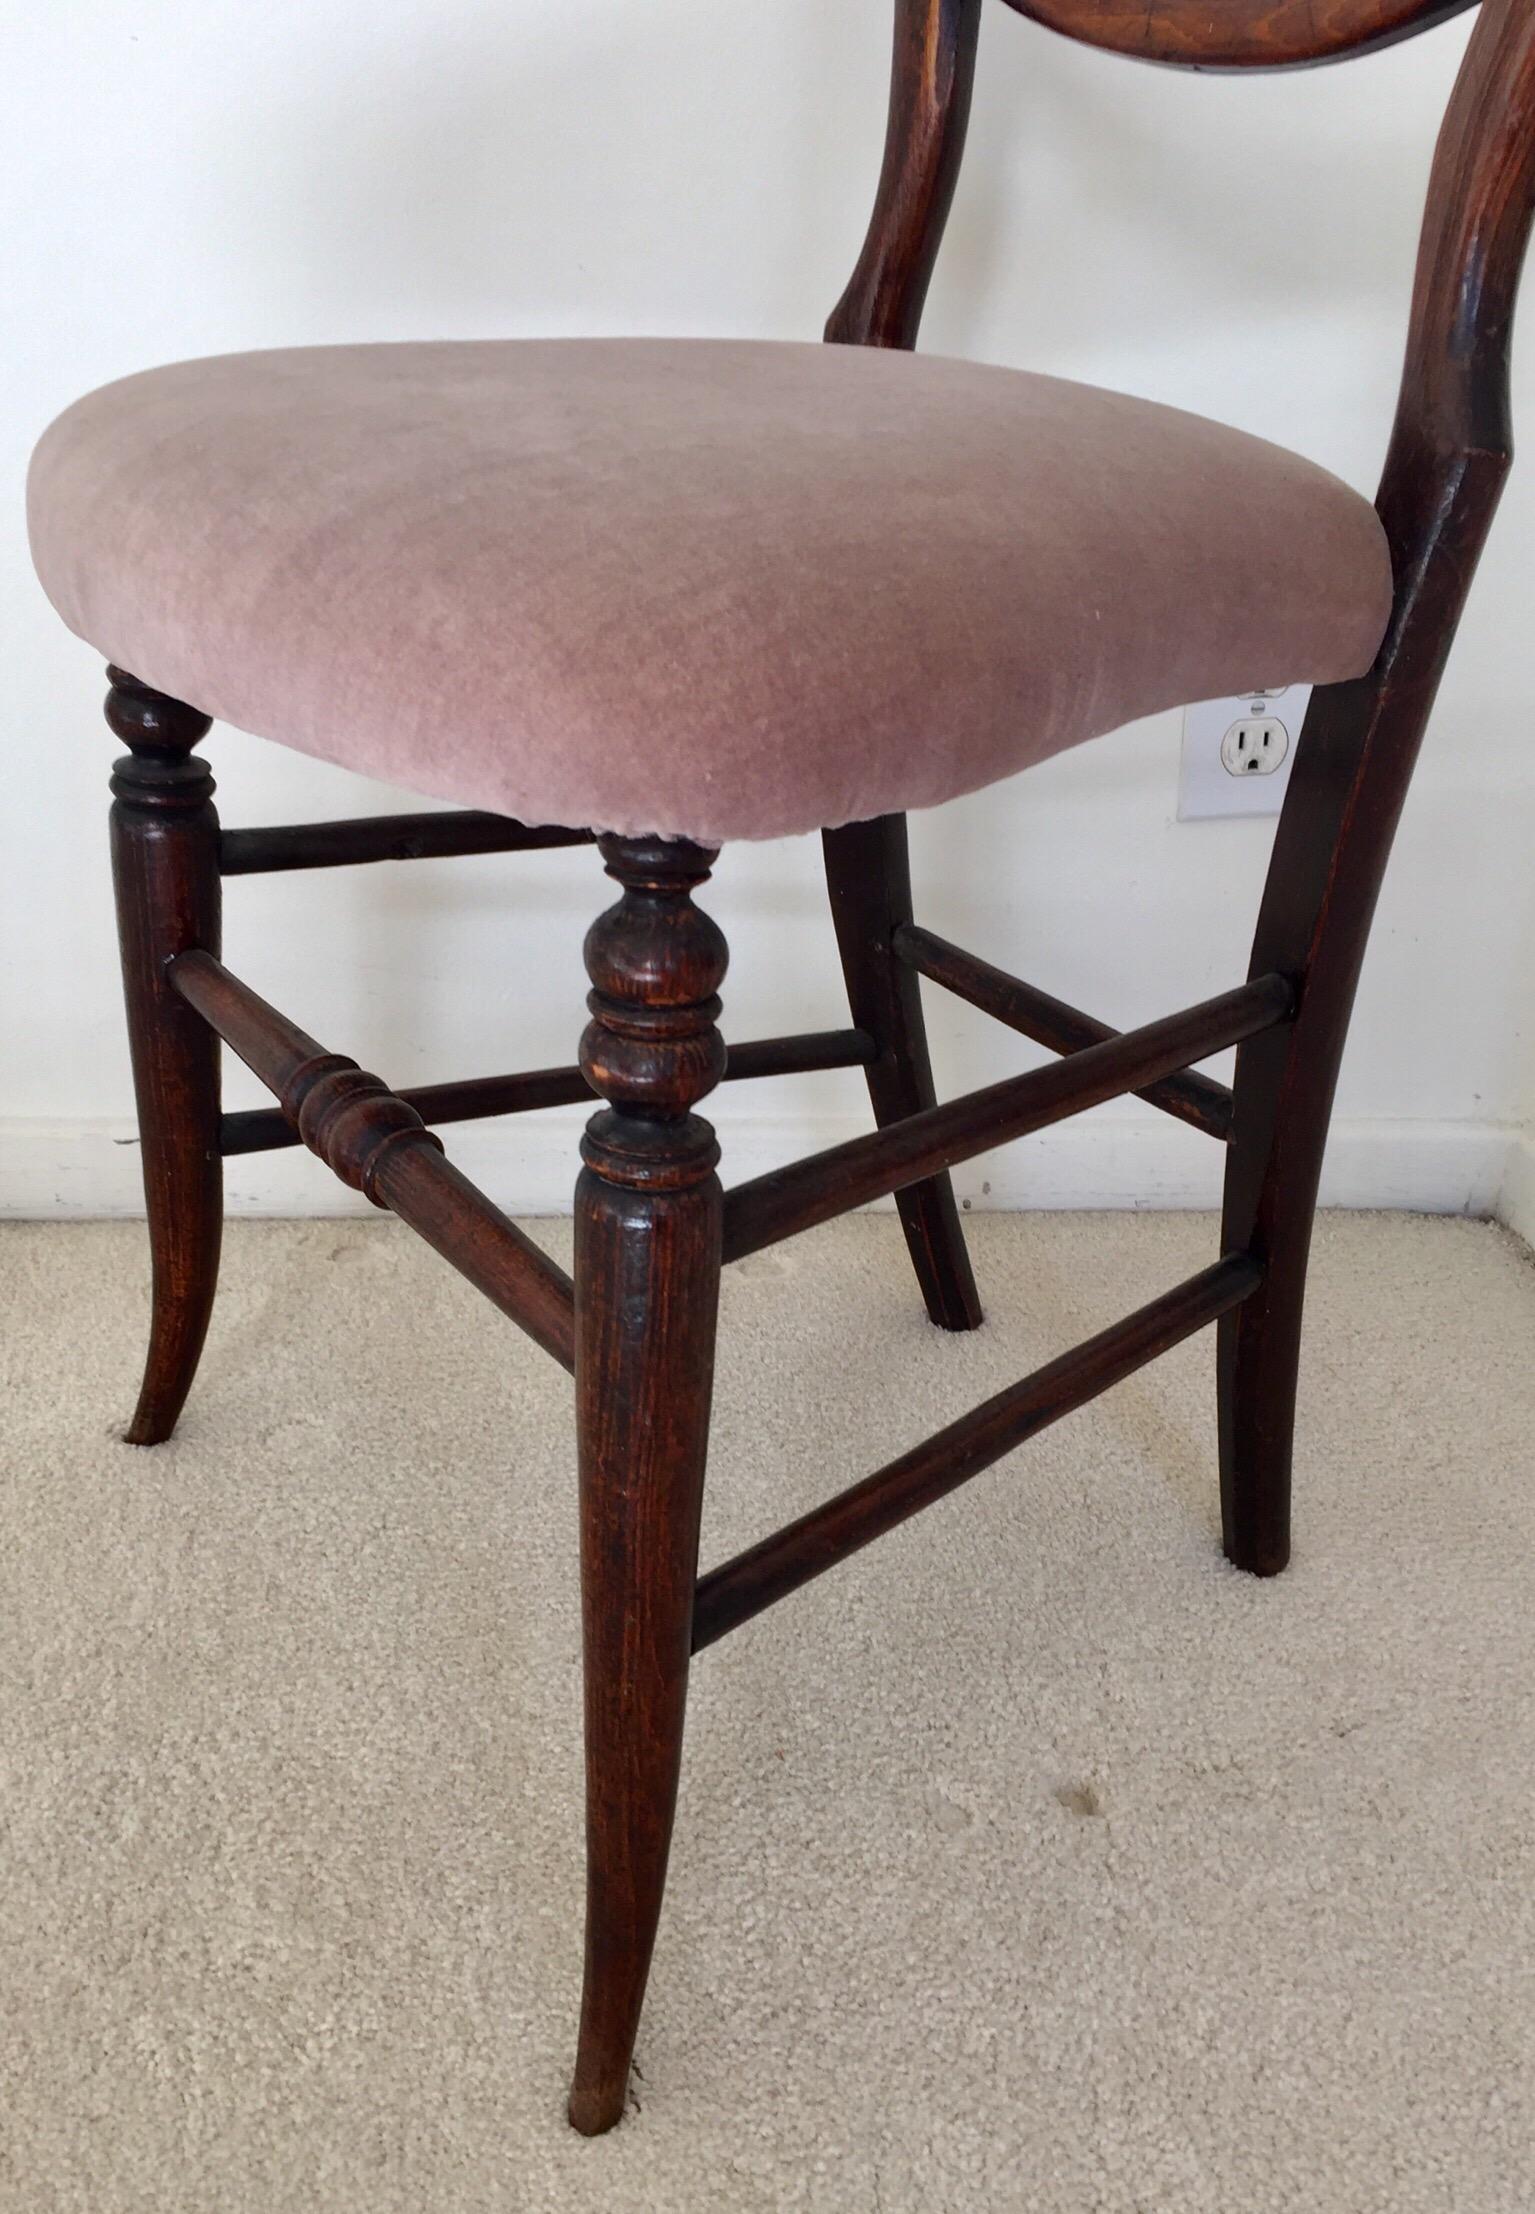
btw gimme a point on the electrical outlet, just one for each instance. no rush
(1237, 752)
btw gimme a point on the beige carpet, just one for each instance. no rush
(1036, 1860)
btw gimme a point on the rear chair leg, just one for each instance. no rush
(1312, 926)
(868, 875)
(165, 867)
(1271, 1187)
(647, 1269)
(1352, 767)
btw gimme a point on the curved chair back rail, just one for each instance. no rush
(1479, 201)
(1240, 34)
(1481, 196)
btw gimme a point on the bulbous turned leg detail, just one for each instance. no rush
(165, 868)
(647, 1268)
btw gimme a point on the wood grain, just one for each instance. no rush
(374, 1141)
(474, 1098)
(165, 839)
(1192, 1098)
(786, 1201)
(868, 879)
(1240, 34)
(932, 73)
(647, 1292)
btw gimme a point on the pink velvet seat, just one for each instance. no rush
(708, 589)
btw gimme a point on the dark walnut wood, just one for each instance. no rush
(1449, 453)
(648, 1226)
(256, 852)
(868, 877)
(261, 1129)
(377, 1143)
(165, 844)
(932, 75)
(1240, 34)
(785, 1201)
(1192, 1098)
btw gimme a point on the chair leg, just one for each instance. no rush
(647, 1269)
(1271, 1187)
(165, 867)
(868, 876)
(1351, 771)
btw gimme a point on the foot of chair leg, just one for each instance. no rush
(868, 877)
(647, 1269)
(166, 873)
(1257, 1381)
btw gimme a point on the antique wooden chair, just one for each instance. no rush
(689, 593)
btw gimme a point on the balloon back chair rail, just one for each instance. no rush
(653, 1226)
(1240, 34)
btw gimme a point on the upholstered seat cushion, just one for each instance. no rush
(715, 589)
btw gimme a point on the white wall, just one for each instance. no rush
(197, 175)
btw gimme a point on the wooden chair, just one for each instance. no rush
(712, 592)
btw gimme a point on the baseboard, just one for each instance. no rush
(1516, 1201)
(78, 1170)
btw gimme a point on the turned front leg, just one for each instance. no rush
(647, 1267)
(165, 867)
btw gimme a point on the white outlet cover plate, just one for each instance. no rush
(1206, 787)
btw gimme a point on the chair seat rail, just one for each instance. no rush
(261, 850)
